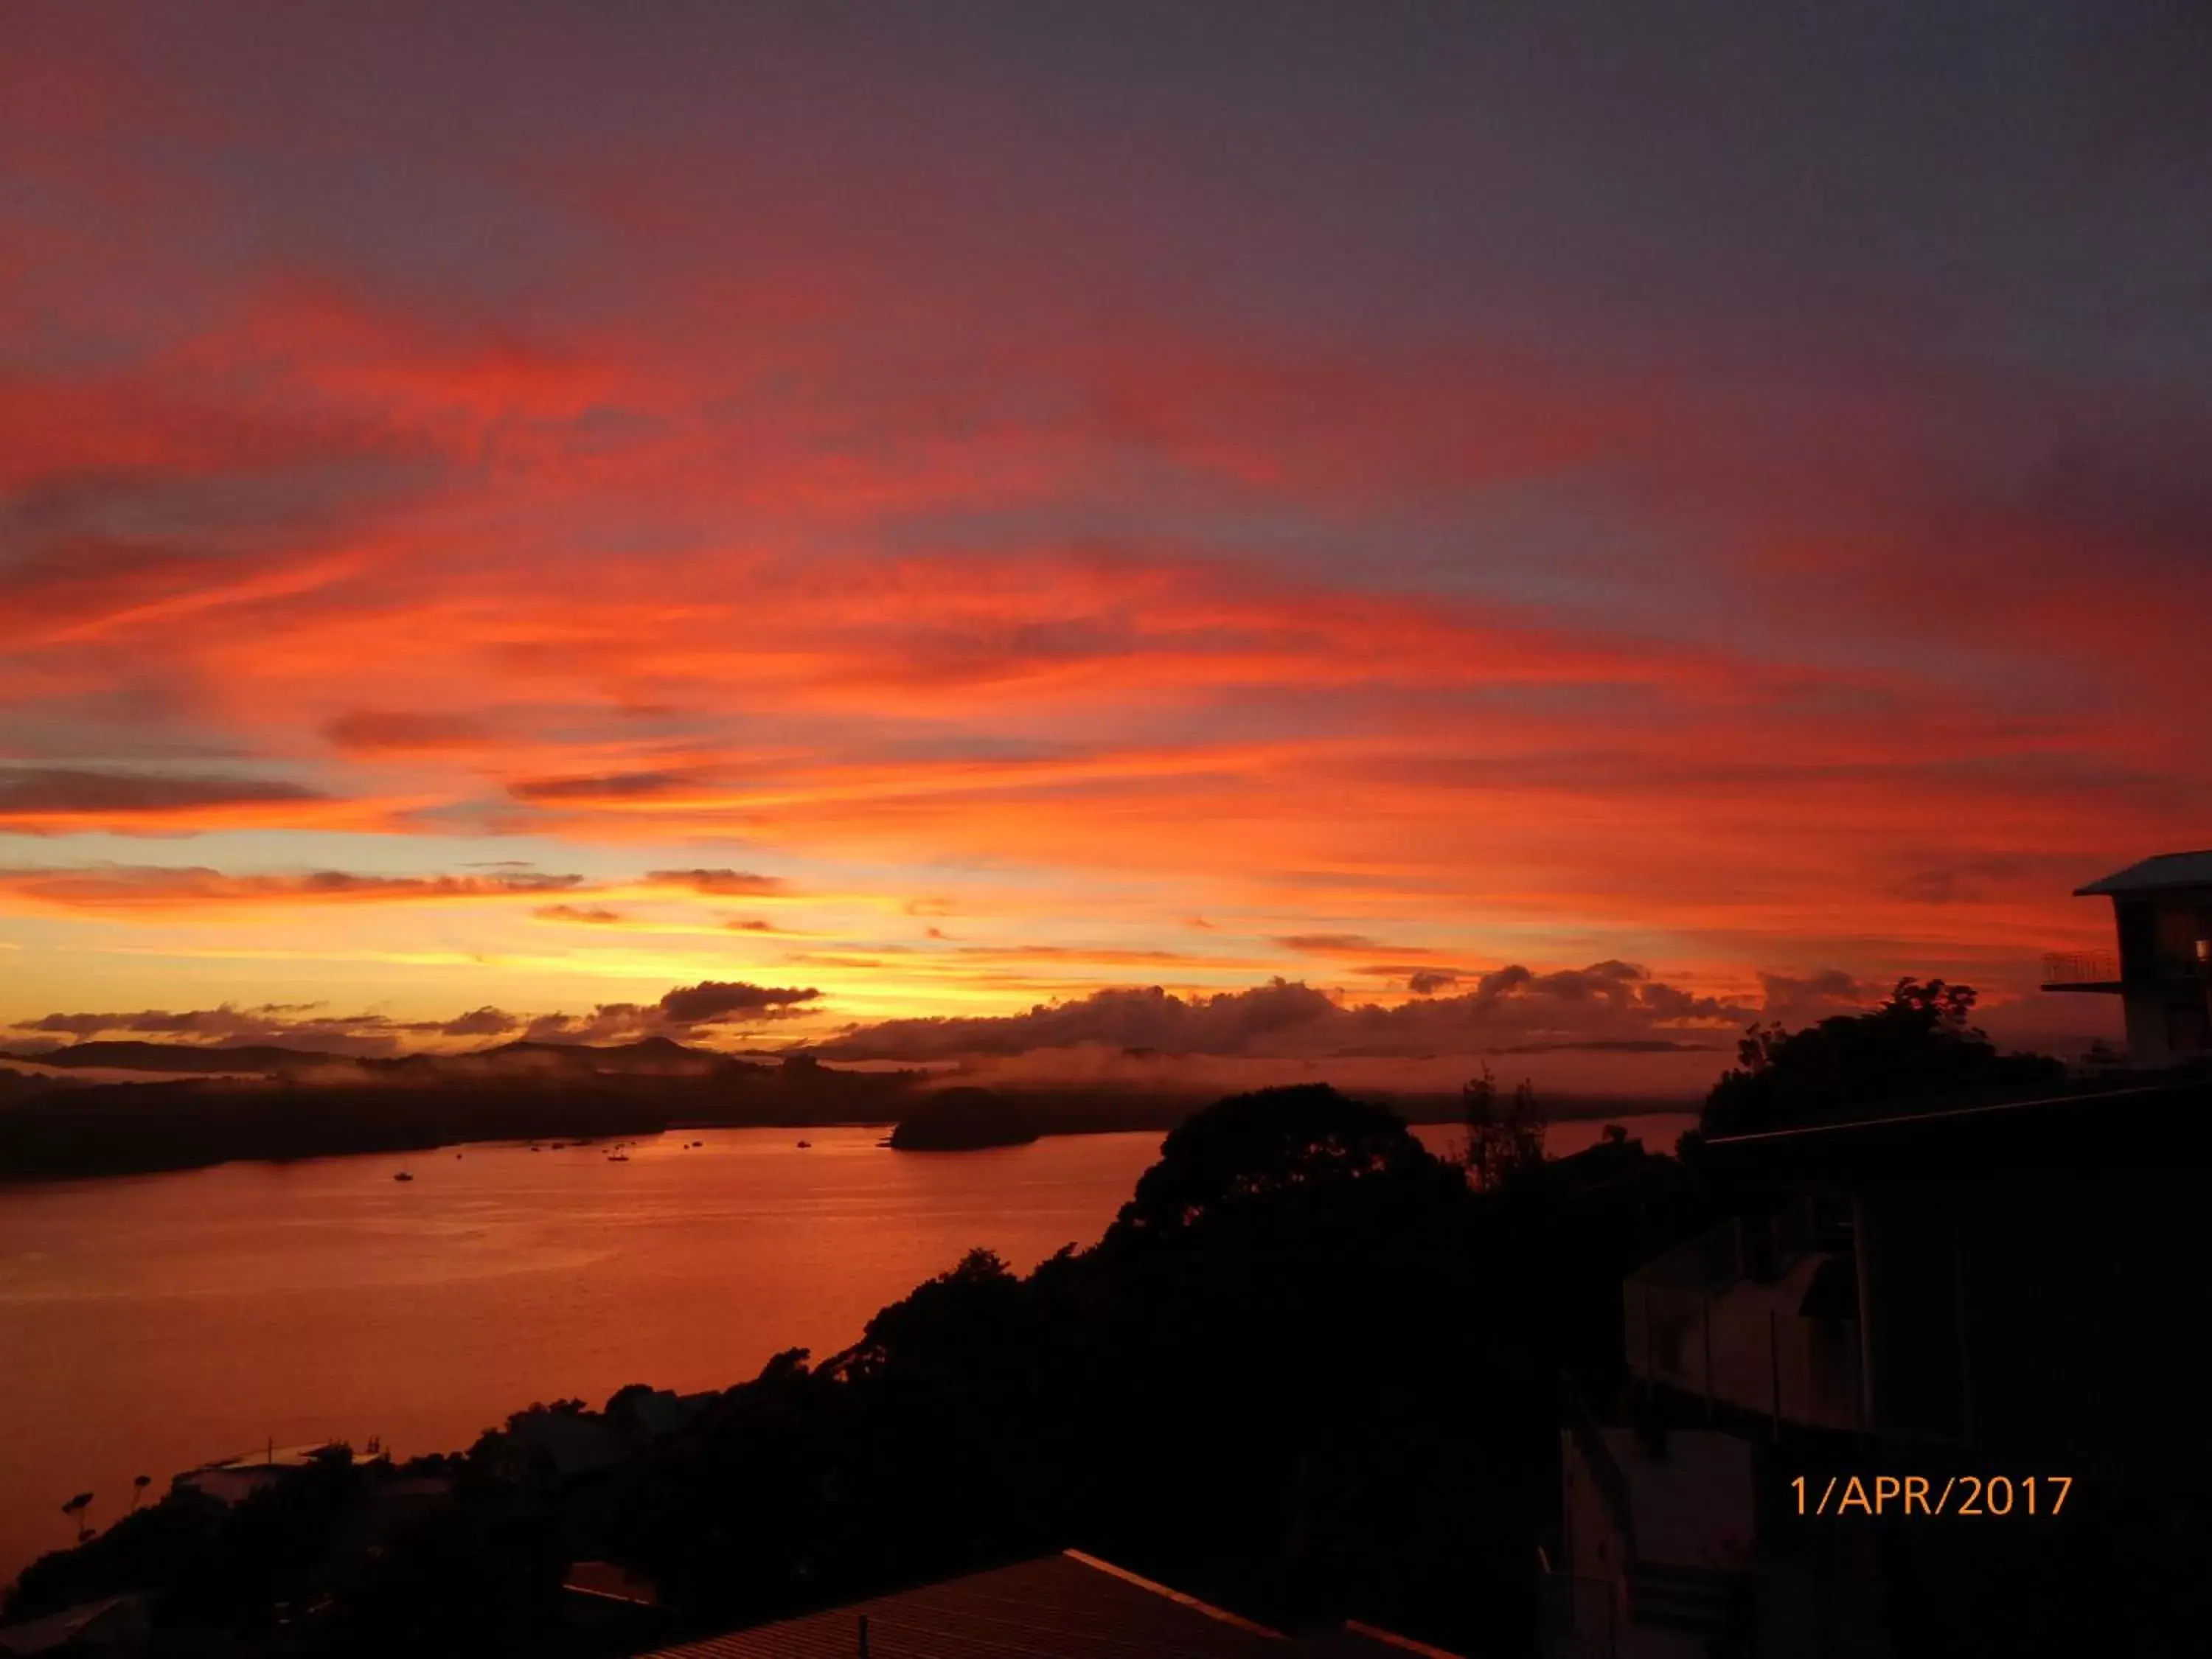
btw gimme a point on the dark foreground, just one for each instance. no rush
(1307, 1372)
(1313, 1373)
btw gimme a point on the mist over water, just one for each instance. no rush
(155, 1322)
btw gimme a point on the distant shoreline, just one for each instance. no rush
(81, 1131)
(303, 1104)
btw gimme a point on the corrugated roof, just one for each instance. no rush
(2164, 870)
(1070, 1606)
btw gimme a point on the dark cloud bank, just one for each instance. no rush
(1609, 1007)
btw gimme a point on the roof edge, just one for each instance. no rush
(1810, 1131)
(1190, 1601)
(2190, 869)
(1392, 1640)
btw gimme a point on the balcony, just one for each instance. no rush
(2081, 971)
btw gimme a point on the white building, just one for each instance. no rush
(1666, 1547)
(2162, 970)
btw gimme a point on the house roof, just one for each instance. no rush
(1069, 1605)
(2151, 874)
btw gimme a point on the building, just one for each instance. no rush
(2162, 970)
(1069, 1605)
(232, 1479)
(2008, 1291)
(1759, 1314)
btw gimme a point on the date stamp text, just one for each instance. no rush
(1964, 1496)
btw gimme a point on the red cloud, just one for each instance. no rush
(367, 731)
(737, 505)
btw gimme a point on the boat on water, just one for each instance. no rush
(617, 1157)
(804, 1145)
(403, 1175)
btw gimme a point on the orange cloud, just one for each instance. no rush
(723, 882)
(126, 889)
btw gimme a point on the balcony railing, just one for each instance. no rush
(2081, 968)
(1597, 1457)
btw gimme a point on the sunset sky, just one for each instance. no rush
(1552, 531)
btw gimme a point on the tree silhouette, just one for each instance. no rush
(1919, 1045)
(1250, 1145)
(1501, 1139)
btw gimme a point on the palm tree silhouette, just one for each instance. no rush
(139, 1485)
(75, 1509)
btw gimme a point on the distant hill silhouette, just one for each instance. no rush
(654, 1056)
(657, 1056)
(323, 1105)
(178, 1059)
(648, 1056)
(305, 1103)
(21, 1086)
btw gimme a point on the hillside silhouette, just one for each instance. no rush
(315, 1105)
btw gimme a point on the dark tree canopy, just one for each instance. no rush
(1918, 1045)
(1250, 1145)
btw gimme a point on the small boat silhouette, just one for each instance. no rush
(804, 1145)
(617, 1157)
(403, 1175)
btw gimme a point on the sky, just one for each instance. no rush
(1094, 537)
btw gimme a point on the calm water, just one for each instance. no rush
(150, 1323)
